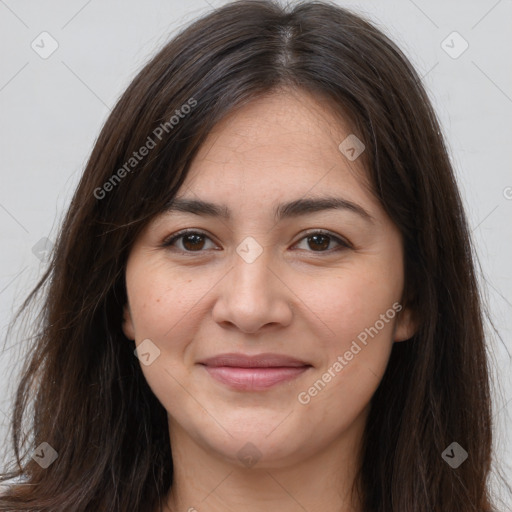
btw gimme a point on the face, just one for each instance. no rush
(316, 284)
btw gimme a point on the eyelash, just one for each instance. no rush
(343, 244)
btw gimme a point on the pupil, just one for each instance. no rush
(194, 240)
(315, 240)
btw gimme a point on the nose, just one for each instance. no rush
(252, 296)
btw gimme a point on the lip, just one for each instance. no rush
(266, 360)
(254, 372)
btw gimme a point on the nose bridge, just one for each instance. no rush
(252, 276)
(251, 295)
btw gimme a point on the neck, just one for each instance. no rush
(204, 481)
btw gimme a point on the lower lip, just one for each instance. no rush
(254, 379)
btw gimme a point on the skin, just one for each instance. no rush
(299, 297)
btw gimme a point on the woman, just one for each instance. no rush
(263, 295)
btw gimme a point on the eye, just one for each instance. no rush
(190, 241)
(319, 241)
(196, 241)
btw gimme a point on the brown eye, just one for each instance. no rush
(187, 241)
(193, 242)
(319, 241)
(196, 241)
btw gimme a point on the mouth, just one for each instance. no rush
(254, 373)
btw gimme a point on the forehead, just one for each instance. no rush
(283, 144)
(286, 123)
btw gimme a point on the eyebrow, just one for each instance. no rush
(282, 211)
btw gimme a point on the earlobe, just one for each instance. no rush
(406, 325)
(127, 326)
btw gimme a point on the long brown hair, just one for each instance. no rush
(89, 398)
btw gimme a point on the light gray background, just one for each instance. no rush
(52, 110)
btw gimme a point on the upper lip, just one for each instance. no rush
(253, 361)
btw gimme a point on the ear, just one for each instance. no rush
(128, 328)
(406, 325)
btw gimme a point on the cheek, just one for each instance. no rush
(361, 317)
(162, 300)
(346, 306)
(358, 309)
